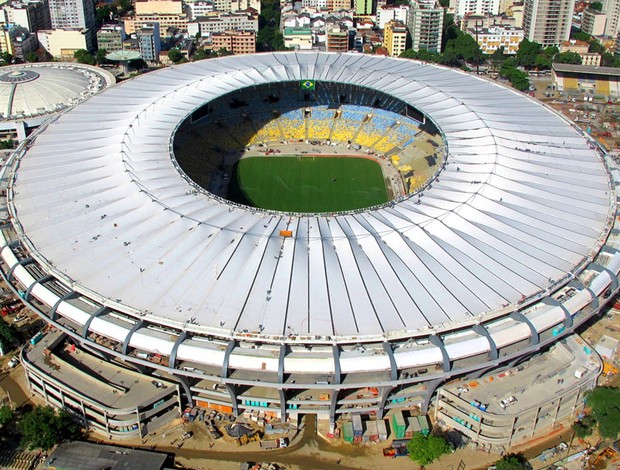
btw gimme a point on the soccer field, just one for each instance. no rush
(307, 184)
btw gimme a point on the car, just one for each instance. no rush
(13, 362)
(19, 317)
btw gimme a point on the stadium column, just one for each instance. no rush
(281, 357)
(337, 369)
(430, 391)
(231, 345)
(580, 285)
(518, 316)
(383, 395)
(482, 331)
(599, 269)
(282, 394)
(438, 342)
(232, 391)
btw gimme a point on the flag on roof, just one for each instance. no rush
(307, 84)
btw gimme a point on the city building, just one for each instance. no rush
(78, 455)
(593, 22)
(395, 38)
(237, 5)
(30, 94)
(611, 8)
(337, 38)
(237, 42)
(581, 48)
(261, 316)
(149, 42)
(61, 44)
(22, 44)
(604, 81)
(476, 7)
(78, 15)
(298, 38)
(155, 7)
(200, 8)
(486, 21)
(117, 402)
(221, 22)
(495, 37)
(425, 25)
(389, 13)
(33, 15)
(110, 37)
(166, 21)
(337, 5)
(364, 7)
(548, 22)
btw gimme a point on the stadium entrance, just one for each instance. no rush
(309, 147)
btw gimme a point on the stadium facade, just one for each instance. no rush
(510, 247)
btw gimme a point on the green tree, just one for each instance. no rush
(584, 427)
(596, 6)
(9, 336)
(43, 427)
(6, 58)
(610, 60)
(31, 57)
(527, 53)
(568, 58)
(137, 64)
(513, 462)
(498, 56)
(426, 449)
(596, 47)
(175, 56)
(200, 54)
(100, 56)
(605, 404)
(580, 35)
(84, 57)
(518, 79)
(6, 415)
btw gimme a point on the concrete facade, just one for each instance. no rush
(548, 22)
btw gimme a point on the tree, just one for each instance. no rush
(6, 58)
(43, 427)
(568, 58)
(596, 6)
(137, 64)
(527, 53)
(605, 404)
(513, 462)
(426, 449)
(518, 79)
(100, 56)
(175, 56)
(9, 335)
(498, 56)
(84, 57)
(584, 427)
(31, 57)
(200, 54)
(6, 415)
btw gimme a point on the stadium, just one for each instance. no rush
(129, 227)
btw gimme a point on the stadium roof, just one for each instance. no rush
(520, 207)
(29, 90)
(586, 69)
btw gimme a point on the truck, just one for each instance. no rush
(274, 443)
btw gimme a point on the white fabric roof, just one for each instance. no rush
(522, 201)
(28, 90)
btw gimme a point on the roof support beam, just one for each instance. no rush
(437, 341)
(134, 328)
(41, 280)
(282, 394)
(21, 262)
(518, 316)
(482, 331)
(231, 345)
(232, 391)
(387, 347)
(599, 269)
(337, 370)
(580, 285)
(99, 312)
(281, 357)
(54, 310)
(568, 319)
(173, 354)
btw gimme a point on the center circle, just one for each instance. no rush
(309, 147)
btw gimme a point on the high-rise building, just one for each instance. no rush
(477, 7)
(364, 7)
(110, 37)
(337, 39)
(33, 15)
(387, 13)
(548, 22)
(395, 38)
(425, 24)
(150, 42)
(593, 22)
(612, 13)
(75, 14)
(237, 42)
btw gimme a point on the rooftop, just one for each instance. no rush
(587, 69)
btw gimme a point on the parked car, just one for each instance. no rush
(13, 362)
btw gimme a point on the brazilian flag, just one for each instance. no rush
(307, 85)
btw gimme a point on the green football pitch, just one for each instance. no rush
(307, 184)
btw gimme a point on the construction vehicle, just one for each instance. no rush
(245, 439)
(274, 443)
(609, 369)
